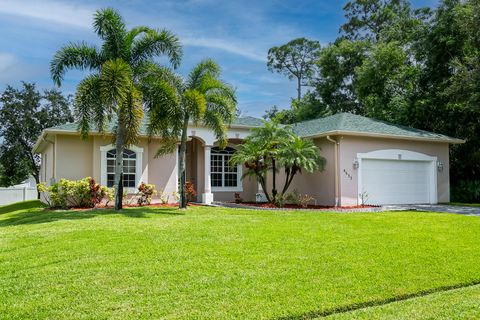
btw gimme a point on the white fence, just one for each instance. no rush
(11, 195)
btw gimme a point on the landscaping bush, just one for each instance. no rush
(175, 196)
(164, 197)
(467, 191)
(190, 191)
(298, 199)
(293, 197)
(146, 191)
(84, 193)
(238, 198)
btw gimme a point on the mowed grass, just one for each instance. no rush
(461, 303)
(207, 263)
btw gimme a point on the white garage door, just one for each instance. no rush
(396, 181)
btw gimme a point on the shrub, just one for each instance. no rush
(363, 198)
(298, 199)
(190, 191)
(279, 200)
(84, 193)
(305, 199)
(293, 197)
(146, 192)
(163, 196)
(109, 195)
(238, 198)
(175, 196)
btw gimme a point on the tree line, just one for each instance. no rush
(415, 67)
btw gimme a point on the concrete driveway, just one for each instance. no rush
(469, 211)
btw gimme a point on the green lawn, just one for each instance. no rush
(223, 263)
(456, 304)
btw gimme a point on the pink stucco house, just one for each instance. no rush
(366, 159)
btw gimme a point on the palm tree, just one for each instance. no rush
(271, 147)
(200, 98)
(297, 154)
(251, 154)
(114, 89)
(270, 137)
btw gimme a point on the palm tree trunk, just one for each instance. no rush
(263, 184)
(289, 180)
(287, 177)
(274, 183)
(183, 151)
(119, 147)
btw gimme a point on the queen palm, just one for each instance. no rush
(200, 98)
(114, 89)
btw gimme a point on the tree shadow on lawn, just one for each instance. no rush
(35, 215)
(24, 205)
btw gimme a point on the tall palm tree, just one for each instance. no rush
(200, 98)
(114, 89)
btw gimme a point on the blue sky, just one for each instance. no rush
(237, 34)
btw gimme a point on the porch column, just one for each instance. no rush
(207, 196)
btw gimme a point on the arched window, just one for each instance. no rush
(224, 176)
(129, 168)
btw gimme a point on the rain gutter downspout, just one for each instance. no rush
(336, 168)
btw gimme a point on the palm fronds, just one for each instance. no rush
(155, 43)
(74, 56)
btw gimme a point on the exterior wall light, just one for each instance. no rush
(440, 166)
(356, 164)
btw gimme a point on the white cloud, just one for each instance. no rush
(56, 12)
(49, 11)
(228, 46)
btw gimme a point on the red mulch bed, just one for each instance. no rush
(132, 205)
(294, 206)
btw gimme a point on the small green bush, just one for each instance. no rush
(84, 193)
(293, 197)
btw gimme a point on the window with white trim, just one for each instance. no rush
(223, 174)
(129, 168)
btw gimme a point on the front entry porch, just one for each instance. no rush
(208, 168)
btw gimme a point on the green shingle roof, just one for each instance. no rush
(241, 121)
(341, 123)
(248, 121)
(351, 123)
